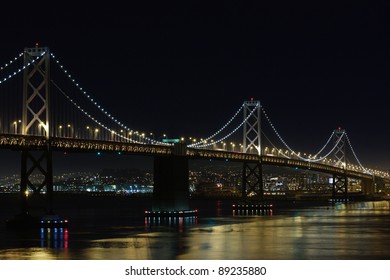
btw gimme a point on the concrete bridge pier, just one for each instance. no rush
(171, 192)
(368, 186)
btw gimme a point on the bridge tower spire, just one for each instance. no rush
(252, 173)
(252, 127)
(339, 152)
(340, 181)
(35, 122)
(36, 88)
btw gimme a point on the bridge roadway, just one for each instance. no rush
(18, 142)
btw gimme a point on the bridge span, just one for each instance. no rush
(43, 110)
(20, 142)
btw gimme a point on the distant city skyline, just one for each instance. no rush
(204, 180)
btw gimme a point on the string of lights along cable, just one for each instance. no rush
(73, 114)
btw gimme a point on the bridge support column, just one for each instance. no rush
(171, 192)
(368, 186)
(36, 166)
(36, 177)
(252, 180)
(340, 187)
(36, 191)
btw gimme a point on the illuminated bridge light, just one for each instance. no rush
(180, 213)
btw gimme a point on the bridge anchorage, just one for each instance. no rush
(170, 192)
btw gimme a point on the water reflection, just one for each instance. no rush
(369, 205)
(170, 221)
(252, 212)
(54, 237)
(345, 231)
(252, 209)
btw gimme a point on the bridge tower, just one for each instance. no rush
(252, 174)
(36, 165)
(340, 182)
(252, 127)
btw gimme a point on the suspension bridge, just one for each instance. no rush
(43, 109)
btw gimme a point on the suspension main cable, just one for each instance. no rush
(91, 117)
(273, 144)
(220, 130)
(288, 147)
(354, 154)
(229, 134)
(98, 105)
(330, 138)
(21, 69)
(11, 61)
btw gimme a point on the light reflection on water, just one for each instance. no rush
(343, 231)
(54, 237)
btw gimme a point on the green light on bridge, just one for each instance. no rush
(171, 140)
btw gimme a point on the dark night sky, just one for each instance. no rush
(184, 69)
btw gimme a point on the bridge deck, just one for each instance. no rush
(18, 142)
